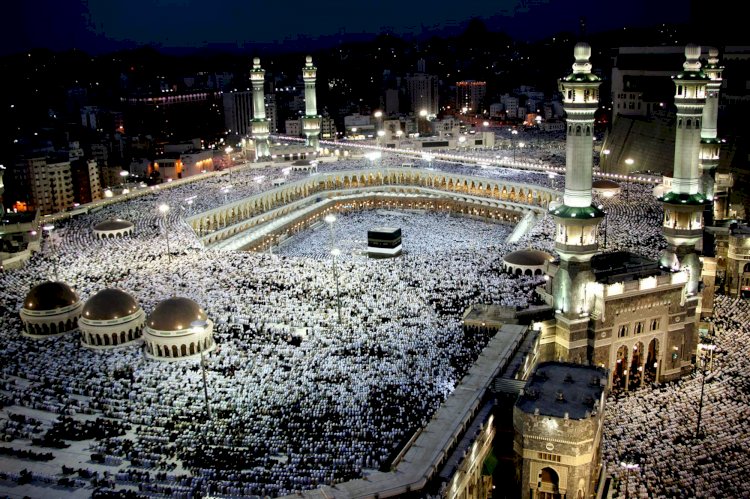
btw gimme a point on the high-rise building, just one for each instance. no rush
(470, 96)
(391, 102)
(85, 177)
(422, 90)
(48, 186)
(272, 112)
(238, 112)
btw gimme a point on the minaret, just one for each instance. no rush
(311, 120)
(576, 219)
(683, 205)
(710, 144)
(260, 123)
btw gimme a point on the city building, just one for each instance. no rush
(293, 128)
(46, 187)
(470, 96)
(558, 421)
(238, 113)
(422, 91)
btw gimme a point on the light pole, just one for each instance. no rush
(703, 347)
(379, 125)
(513, 134)
(601, 207)
(629, 464)
(48, 229)
(330, 218)
(336, 252)
(200, 327)
(381, 135)
(123, 175)
(164, 209)
(551, 176)
(423, 114)
(229, 150)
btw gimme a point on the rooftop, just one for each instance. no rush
(559, 388)
(622, 266)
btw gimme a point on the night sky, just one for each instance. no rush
(103, 25)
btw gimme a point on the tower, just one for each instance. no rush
(710, 144)
(576, 219)
(311, 120)
(260, 123)
(684, 204)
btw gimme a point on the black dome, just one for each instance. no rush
(50, 296)
(109, 304)
(175, 314)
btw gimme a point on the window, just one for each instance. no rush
(623, 331)
(545, 456)
(654, 324)
(638, 328)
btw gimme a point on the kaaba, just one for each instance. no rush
(383, 242)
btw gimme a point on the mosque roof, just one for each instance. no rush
(109, 304)
(116, 224)
(527, 257)
(50, 295)
(558, 389)
(176, 314)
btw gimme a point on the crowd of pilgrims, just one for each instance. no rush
(655, 428)
(297, 398)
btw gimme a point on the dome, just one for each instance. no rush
(605, 184)
(109, 304)
(527, 258)
(117, 224)
(175, 314)
(50, 296)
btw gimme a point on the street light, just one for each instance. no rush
(423, 114)
(49, 228)
(629, 464)
(334, 253)
(601, 207)
(229, 150)
(702, 348)
(330, 218)
(513, 133)
(199, 327)
(164, 209)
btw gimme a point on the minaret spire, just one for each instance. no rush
(311, 120)
(683, 205)
(577, 219)
(260, 125)
(710, 144)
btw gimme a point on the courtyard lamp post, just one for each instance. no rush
(703, 348)
(334, 253)
(164, 209)
(199, 327)
(48, 229)
(629, 464)
(513, 134)
(330, 219)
